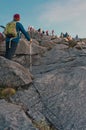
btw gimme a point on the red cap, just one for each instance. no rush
(16, 17)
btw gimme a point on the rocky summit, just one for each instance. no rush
(50, 84)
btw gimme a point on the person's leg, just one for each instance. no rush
(7, 50)
(12, 49)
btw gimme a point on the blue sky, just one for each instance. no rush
(60, 15)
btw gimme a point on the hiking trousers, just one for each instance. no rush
(10, 49)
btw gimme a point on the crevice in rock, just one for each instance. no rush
(51, 125)
(42, 124)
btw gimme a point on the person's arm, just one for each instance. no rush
(21, 28)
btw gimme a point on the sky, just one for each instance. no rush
(60, 15)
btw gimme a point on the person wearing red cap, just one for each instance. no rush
(16, 17)
(11, 48)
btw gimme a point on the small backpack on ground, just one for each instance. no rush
(10, 30)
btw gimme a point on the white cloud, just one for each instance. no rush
(57, 12)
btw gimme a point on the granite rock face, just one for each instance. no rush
(56, 97)
(13, 74)
(12, 117)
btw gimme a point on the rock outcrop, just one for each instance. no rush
(12, 117)
(56, 97)
(13, 74)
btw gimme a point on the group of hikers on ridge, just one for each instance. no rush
(12, 32)
(41, 32)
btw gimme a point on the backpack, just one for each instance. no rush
(10, 30)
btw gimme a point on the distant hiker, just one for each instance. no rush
(77, 38)
(47, 32)
(43, 32)
(31, 28)
(52, 32)
(61, 35)
(40, 31)
(66, 35)
(12, 32)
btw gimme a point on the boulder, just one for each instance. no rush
(13, 74)
(24, 52)
(13, 117)
(49, 44)
(24, 48)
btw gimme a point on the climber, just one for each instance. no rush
(12, 39)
